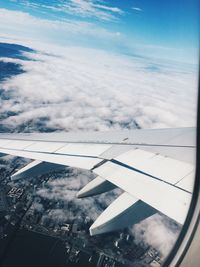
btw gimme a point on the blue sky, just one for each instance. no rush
(167, 29)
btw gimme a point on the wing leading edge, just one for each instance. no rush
(154, 175)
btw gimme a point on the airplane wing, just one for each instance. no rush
(154, 168)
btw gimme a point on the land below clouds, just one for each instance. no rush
(67, 90)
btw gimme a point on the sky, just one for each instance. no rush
(163, 29)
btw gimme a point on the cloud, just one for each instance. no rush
(137, 9)
(84, 8)
(64, 189)
(158, 231)
(92, 8)
(61, 31)
(71, 91)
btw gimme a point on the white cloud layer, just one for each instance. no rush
(85, 89)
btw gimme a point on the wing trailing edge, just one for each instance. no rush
(35, 168)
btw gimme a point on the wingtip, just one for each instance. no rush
(14, 177)
(97, 186)
(93, 231)
(81, 194)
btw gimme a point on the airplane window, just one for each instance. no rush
(98, 119)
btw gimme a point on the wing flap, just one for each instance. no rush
(3, 142)
(124, 211)
(187, 182)
(164, 168)
(73, 161)
(92, 150)
(115, 151)
(47, 147)
(16, 144)
(160, 195)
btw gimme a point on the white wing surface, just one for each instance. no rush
(154, 168)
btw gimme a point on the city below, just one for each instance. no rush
(30, 238)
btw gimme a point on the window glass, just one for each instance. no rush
(107, 67)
